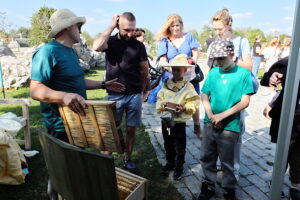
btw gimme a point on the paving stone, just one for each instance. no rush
(189, 159)
(257, 181)
(193, 184)
(245, 171)
(263, 164)
(255, 193)
(247, 161)
(193, 150)
(185, 193)
(196, 169)
(243, 182)
(241, 195)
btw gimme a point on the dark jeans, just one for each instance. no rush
(218, 143)
(59, 135)
(294, 161)
(175, 143)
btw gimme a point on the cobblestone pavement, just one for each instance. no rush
(256, 158)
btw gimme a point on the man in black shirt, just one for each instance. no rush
(256, 55)
(126, 59)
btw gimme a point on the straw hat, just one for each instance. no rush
(62, 19)
(180, 60)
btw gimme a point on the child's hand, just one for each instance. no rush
(216, 119)
(180, 108)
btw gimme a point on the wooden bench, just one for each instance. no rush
(24, 120)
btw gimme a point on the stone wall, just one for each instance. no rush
(16, 67)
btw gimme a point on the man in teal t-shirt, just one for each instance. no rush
(225, 93)
(56, 76)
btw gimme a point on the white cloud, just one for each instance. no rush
(92, 20)
(273, 32)
(288, 8)
(289, 19)
(242, 15)
(103, 12)
(117, 1)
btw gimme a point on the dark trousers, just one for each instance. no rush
(294, 161)
(175, 143)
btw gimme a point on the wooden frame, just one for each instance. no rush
(99, 128)
(94, 177)
(25, 119)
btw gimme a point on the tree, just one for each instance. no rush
(204, 34)
(40, 25)
(253, 33)
(23, 31)
(4, 26)
(150, 40)
(89, 39)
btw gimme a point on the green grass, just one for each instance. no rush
(35, 185)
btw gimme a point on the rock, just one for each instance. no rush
(5, 50)
(88, 57)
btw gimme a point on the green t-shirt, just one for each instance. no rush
(57, 66)
(225, 89)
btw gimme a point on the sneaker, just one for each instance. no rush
(168, 167)
(177, 173)
(207, 191)
(294, 194)
(229, 194)
(130, 166)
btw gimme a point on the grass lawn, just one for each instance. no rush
(35, 186)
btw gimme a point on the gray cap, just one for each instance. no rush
(221, 47)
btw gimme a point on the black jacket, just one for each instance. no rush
(281, 67)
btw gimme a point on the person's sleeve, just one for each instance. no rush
(247, 84)
(162, 47)
(206, 86)
(245, 47)
(193, 42)
(142, 53)
(42, 66)
(192, 100)
(160, 99)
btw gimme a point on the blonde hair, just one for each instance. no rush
(165, 32)
(287, 42)
(223, 16)
(275, 42)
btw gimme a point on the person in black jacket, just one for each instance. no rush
(275, 76)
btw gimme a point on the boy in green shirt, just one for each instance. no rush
(225, 93)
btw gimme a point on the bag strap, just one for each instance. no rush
(173, 45)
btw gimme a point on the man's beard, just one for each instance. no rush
(124, 37)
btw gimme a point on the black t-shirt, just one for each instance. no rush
(256, 44)
(122, 62)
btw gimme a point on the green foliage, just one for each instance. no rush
(253, 33)
(150, 40)
(89, 39)
(40, 25)
(204, 34)
(24, 31)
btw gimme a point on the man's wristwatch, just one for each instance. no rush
(103, 85)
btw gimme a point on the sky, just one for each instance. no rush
(271, 16)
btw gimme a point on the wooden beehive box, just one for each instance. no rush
(130, 186)
(99, 128)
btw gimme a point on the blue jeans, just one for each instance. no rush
(131, 105)
(256, 64)
(218, 143)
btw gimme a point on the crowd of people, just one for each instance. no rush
(57, 78)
